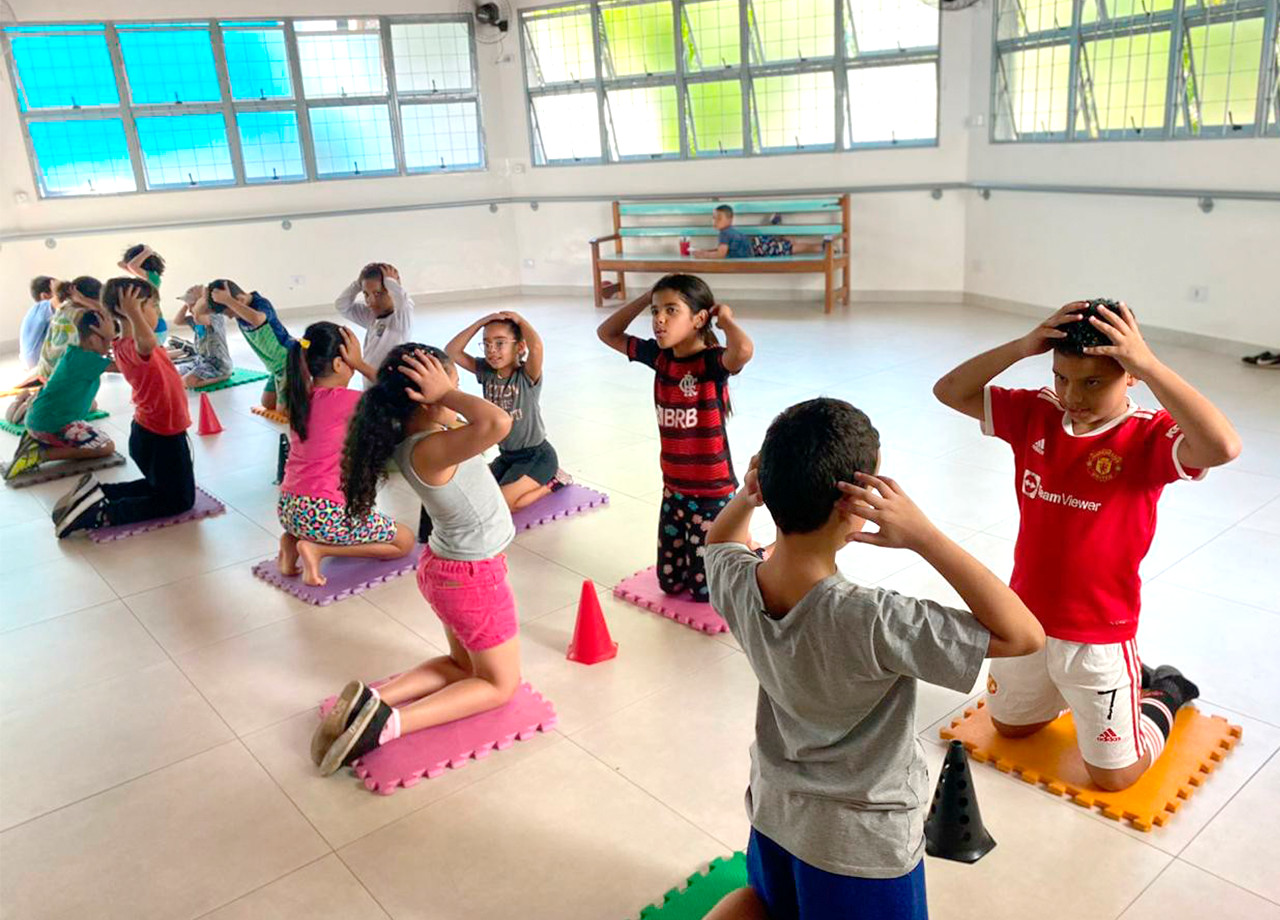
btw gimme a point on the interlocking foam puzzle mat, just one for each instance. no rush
(206, 506)
(642, 590)
(1050, 758)
(238, 376)
(702, 891)
(428, 753)
(572, 499)
(19, 430)
(60, 469)
(271, 414)
(344, 576)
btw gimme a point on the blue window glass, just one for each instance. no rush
(443, 136)
(64, 70)
(257, 63)
(270, 146)
(185, 150)
(89, 157)
(166, 65)
(352, 140)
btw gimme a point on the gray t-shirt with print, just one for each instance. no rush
(519, 396)
(838, 776)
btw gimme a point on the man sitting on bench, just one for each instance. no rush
(734, 244)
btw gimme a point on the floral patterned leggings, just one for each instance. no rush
(682, 533)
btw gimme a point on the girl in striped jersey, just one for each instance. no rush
(690, 391)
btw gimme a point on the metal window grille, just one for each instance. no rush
(113, 108)
(619, 80)
(1133, 69)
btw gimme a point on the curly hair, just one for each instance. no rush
(1081, 333)
(377, 428)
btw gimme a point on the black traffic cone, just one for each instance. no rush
(281, 457)
(954, 829)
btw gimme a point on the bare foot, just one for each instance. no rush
(309, 556)
(287, 560)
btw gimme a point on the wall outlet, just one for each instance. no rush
(517, 167)
(1199, 294)
(528, 263)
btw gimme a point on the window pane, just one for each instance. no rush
(270, 146)
(63, 70)
(790, 30)
(1115, 10)
(1220, 65)
(1122, 84)
(442, 136)
(169, 65)
(712, 35)
(1031, 92)
(715, 118)
(1027, 17)
(257, 63)
(893, 104)
(1273, 101)
(188, 150)
(352, 140)
(566, 128)
(643, 122)
(639, 39)
(886, 25)
(432, 57)
(794, 113)
(341, 58)
(82, 157)
(557, 45)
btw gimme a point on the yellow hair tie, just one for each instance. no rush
(305, 343)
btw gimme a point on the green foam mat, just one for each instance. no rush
(238, 376)
(703, 891)
(20, 430)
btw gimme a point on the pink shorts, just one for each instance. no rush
(473, 599)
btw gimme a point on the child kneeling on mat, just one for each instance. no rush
(158, 439)
(262, 329)
(691, 393)
(839, 788)
(311, 508)
(56, 429)
(212, 361)
(511, 373)
(463, 572)
(1091, 466)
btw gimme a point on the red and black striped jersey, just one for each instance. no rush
(691, 398)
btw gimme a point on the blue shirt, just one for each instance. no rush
(261, 304)
(739, 244)
(35, 326)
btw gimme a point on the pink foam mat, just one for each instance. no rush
(563, 503)
(642, 590)
(60, 469)
(344, 576)
(206, 506)
(405, 761)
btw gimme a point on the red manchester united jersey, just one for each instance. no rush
(1088, 508)
(689, 394)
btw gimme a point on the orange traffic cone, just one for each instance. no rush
(209, 423)
(591, 641)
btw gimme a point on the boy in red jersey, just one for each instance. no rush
(1090, 467)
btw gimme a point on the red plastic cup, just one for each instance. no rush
(684, 246)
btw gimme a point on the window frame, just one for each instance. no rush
(1177, 22)
(746, 72)
(298, 103)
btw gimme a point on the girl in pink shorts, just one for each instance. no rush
(463, 573)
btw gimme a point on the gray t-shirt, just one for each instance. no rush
(470, 517)
(838, 777)
(519, 396)
(211, 342)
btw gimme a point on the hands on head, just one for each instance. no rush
(881, 501)
(349, 350)
(428, 375)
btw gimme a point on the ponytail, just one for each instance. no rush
(310, 357)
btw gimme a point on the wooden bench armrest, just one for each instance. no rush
(603, 239)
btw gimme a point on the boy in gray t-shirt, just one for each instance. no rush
(839, 787)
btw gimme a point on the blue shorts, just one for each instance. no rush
(791, 888)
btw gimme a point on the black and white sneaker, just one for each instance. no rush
(350, 701)
(1264, 359)
(84, 514)
(359, 738)
(1169, 679)
(87, 483)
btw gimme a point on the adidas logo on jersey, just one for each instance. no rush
(1108, 737)
(1038, 447)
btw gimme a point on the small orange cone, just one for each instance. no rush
(209, 423)
(591, 641)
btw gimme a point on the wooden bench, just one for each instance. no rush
(825, 262)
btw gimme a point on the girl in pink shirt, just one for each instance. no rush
(312, 508)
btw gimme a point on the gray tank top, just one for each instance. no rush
(468, 513)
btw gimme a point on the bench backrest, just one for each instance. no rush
(835, 208)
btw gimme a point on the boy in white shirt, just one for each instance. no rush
(376, 301)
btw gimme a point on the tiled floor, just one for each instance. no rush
(153, 752)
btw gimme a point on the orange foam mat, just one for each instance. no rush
(1051, 759)
(271, 414)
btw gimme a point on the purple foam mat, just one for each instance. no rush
(563, 503)
(642, 590)
(60, 469)
(206, 506)
(405, 761)
(344, 576)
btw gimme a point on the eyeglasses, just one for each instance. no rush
(496, 344)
